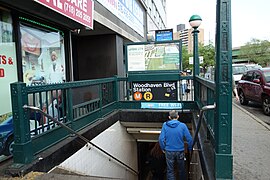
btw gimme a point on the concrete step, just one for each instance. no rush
(68, 177)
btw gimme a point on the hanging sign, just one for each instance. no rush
(78, 10)
(164, 35)
(152, 105)
(148, 91)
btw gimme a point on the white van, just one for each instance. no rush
(239, 69)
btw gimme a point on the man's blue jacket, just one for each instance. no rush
(172, 136)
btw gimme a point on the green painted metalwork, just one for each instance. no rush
(196, 62)
(69, 115)
(79, 116)
(154, 76)
(223, 163)
(46, 133)
(195, 21)
(22, 137)
(107, 99)
(223, 81)
(196, 52)
(210, 114)
(45, 140)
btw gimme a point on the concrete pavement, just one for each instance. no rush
(251, 146)
(251, 149)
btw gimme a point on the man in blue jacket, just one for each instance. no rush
(171, 140)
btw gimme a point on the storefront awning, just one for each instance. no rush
(33, 8)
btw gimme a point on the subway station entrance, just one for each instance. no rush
(153, 85)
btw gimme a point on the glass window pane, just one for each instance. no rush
(6, 29)
(8, 63)
(43, 56)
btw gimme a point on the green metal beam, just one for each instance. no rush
(223, 81)
(22, 149)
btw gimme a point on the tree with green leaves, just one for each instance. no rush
(208, 53)
(256, 51)
(185, 59)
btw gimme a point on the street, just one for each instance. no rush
(256, 110)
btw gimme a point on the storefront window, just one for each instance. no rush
(43, 56)
(8, 67)
(6, 27)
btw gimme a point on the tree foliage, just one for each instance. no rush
(256, 51)
(185, 59)
(208, 53)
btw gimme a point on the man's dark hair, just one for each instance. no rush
(173, 114)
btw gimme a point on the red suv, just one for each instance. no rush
(255, 86)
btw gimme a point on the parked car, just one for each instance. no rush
(252, 66)
(255, 86)
(6, 137)
(7, 131)
(239, 69)
(7, 134)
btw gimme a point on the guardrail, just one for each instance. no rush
(198, 127)
(87, 141)
(77, 105)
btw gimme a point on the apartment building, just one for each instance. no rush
(156, 15)
(187, 37)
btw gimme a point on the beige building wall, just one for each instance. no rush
(187, 38)
(92, 162)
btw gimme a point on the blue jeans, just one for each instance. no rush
(184, 87)
(171, 158)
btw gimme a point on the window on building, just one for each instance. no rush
(43, 55)
(6, 27)
(8, 63)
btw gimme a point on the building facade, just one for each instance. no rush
(48, 41)
(187, 37)
(156, 15)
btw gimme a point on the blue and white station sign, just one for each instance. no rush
(152, 105)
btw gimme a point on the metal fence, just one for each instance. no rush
(77, 105)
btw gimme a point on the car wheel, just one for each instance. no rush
(266, 105)
(9, 147)
(242, 98)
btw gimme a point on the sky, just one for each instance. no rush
(249, 18)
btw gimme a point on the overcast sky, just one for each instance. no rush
(249, 18)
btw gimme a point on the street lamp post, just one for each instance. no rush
(195, 22)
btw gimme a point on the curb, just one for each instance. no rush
(252, 116)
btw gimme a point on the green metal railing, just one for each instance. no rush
(76, 104)
(79, 104)
(87, 141)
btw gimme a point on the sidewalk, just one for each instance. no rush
(251, 146)
(251, 149)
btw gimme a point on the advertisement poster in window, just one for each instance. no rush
(30, 43)
(8, 74)
(43, 56)
(8, 65)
